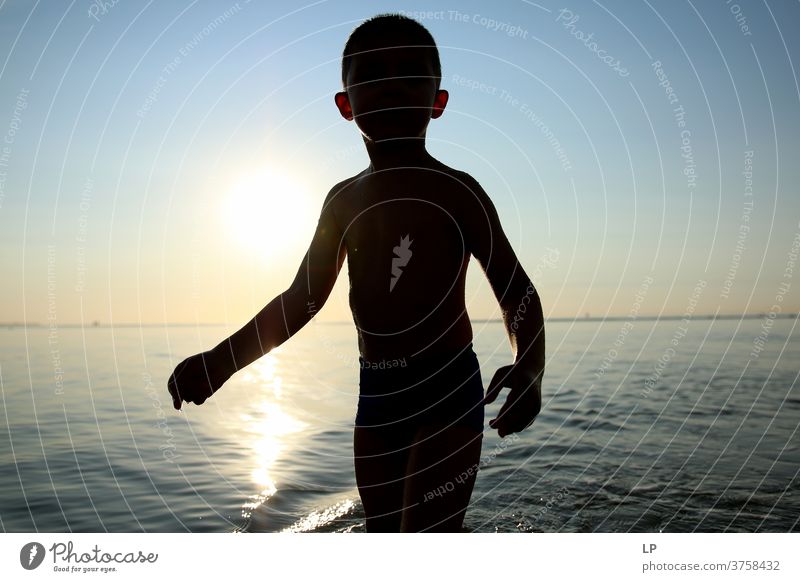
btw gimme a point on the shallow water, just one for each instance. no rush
(632, 436)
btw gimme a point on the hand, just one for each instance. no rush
(522, 404)
(195, 379)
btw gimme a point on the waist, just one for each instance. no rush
(427, 360)
(415, 372)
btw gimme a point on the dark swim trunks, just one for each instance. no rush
(444, 390)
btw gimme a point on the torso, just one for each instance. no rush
(417, 307)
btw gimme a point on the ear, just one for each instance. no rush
(343, 104)
(439, 103)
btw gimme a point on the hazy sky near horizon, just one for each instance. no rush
(166, 162)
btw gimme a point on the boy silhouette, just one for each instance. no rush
(408, 225)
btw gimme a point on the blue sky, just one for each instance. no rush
(136, 136)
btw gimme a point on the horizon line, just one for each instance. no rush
(96, 323)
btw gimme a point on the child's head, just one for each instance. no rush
(391, 75)
(378, 32)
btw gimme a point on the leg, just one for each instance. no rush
(441, 474)
(381, 456)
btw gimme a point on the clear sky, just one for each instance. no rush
(166, 162)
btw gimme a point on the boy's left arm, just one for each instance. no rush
(522, 315)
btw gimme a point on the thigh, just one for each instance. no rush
(381, 457)
(442, 468)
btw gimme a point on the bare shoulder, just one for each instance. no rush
(459, 178)
(472, 197)
(339, 193)
(349, 182)
(339, 200)
(479, 220)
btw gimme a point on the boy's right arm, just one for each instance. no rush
(522, 314)
(203, 374)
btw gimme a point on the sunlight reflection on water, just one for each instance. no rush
(268, 427)
(317, 519)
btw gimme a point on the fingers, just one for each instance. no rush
(500, 422)
(516, 414)
(499, 379)
(172, 384)
(506, 426)
(195, 386)
(172, 387)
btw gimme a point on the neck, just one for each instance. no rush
(394, 153)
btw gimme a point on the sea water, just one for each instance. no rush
(661, 428)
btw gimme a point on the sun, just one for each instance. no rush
(268, 213)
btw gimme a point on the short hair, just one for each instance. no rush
(377, 27)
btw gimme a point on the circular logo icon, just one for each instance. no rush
(31, 555)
